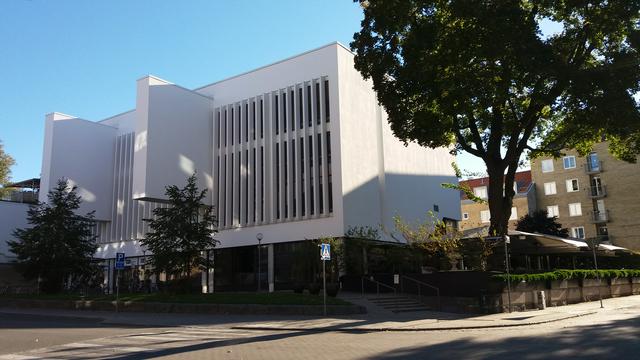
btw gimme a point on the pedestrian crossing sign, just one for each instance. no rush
(325, 252)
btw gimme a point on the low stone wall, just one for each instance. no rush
(524, 295)
(151, 307)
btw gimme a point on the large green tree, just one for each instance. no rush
(540, 222)
(59, 243)
(481, 76)
(6, 162)
(182, 231)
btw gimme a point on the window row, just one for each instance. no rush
(575, 209)
(485, 215)
(572, 185)
(482, 191)
(569, 162)
(294, 108)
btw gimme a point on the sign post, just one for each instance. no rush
(325, 255)
(119, 266)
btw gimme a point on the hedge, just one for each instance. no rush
(570, 274)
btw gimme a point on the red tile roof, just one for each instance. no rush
(523, 180)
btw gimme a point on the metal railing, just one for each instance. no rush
(420, 284)
(378, 284)
(599, 216)
(598, 191)
(593, 168)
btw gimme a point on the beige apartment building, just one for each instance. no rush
(477, 215)
(594, 196)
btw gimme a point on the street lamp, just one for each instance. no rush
(595, 264)
(259, 237)
(507, 241)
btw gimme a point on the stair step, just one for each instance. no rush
(411, 309)
(395, 301)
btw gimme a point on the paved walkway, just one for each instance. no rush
(377, 320)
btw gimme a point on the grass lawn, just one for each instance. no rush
(277, 298)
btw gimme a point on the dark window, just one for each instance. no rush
(317, 95)
(261, 183)
(284, 112)
(261, 120)
(309, 119)
(217, 181)
(302, 190)
(239, 185)
(246, 186)
(277, 176)
(239, 126)
(319, 156)
(285, 156)
(436, 208)
(246, 122)
(329, 185)
(293, 111)
(253, 117)
(311, 177)
(226, 129)
(301, 113)
(293, 177)
(231, 203)
(275, 119)
(326, 100)
(223, 209)
(253, 178)
(232, 125)
(218, 127)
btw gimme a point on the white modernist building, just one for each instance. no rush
(299, 149)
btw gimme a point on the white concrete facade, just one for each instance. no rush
(299, 149)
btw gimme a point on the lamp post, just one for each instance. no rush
(507, 241)
(595, 264)
(259, 237)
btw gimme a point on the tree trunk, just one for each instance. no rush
(500, 198)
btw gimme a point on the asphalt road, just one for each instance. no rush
(613, 334)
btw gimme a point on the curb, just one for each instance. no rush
(370, 330)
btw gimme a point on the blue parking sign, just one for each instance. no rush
(119, 261)
(325, 252)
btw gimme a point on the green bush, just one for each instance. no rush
(570, 274)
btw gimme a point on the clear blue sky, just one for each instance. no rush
(83, 57)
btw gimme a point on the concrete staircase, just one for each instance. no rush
(398, 303)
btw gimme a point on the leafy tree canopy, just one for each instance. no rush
(540, 222)
(6, 162)
(59, 243)
(182, 231)
(479, 75)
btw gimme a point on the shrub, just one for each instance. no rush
(563, 274)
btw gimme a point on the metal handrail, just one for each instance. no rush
(378, 284)
(437, 289)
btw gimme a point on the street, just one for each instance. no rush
(611, 334)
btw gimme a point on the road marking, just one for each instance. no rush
(140, 342)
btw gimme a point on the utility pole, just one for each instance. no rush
(595, 264)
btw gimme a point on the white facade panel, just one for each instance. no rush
(14, 216)
(82, 152)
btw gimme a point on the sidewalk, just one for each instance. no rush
(376, 321)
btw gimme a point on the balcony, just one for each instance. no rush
(598, 192)
(593, 167)
(598, 217)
